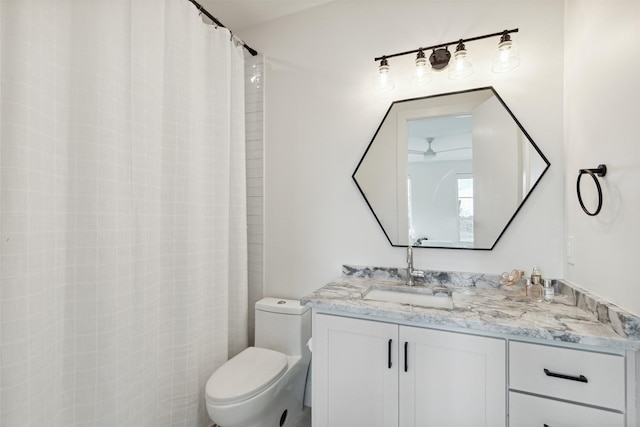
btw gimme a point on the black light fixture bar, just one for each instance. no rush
(204, 11)
(486, 36)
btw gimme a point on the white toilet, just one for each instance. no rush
(264, 386)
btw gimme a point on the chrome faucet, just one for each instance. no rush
(411, 273)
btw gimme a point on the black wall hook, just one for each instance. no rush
(600, 171)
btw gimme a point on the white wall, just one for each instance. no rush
(602, 125)
(321, 112)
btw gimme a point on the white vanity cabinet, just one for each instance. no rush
(354, 375)
(451, 379)
(554, 386)
(369, 373)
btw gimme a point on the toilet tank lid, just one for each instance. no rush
(281, 305)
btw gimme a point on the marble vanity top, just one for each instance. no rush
(480, 303)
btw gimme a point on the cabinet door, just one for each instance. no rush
(355, 373)
(451, 379)
(532, 411)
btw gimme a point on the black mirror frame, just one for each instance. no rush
(517, 122)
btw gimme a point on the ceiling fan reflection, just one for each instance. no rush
(430, 153)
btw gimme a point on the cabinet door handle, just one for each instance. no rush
(406, 364)
(389, 354)
(546, 425)
(580, 378)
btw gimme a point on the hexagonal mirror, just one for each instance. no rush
(449, 170)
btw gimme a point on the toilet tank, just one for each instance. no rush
(282, 325)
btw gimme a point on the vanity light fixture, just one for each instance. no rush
(439, 59)
(461, 66)
(506, 59)
(422, 73)
(384, 81)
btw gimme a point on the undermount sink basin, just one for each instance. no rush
(413, 298)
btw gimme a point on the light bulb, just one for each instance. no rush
(461, 65)
(384, 81)
(506, 58)
(422, 73)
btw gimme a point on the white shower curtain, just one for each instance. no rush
(123, 252)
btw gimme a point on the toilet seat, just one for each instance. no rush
(245, 375)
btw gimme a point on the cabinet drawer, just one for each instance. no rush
(576, 375)
(531, 411)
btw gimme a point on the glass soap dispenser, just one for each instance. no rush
(536, 277)
(534, 284)
(534, 290)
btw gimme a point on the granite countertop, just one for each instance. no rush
(480, 303)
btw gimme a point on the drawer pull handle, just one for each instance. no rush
(389, 354)
(581, 378)
(406, 365)
(546, 425)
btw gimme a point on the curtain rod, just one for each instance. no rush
(202, 10)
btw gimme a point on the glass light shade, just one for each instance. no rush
(422, 73)
(506, 58)
(384, 81)
(460, 66)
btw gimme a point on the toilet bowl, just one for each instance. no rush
(263, 386)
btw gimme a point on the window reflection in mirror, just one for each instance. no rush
(465, 208)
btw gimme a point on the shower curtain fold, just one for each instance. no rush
(123, 249)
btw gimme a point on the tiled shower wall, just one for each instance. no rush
(254, 111)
